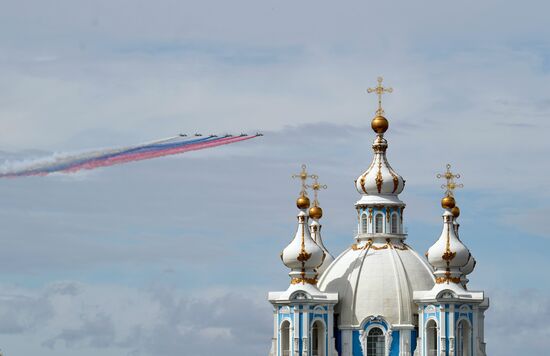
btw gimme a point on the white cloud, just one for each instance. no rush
(89, 318)
(71, 317)
(470, 81)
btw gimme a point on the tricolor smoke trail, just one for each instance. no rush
(72, 163)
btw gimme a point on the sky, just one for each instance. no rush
(175, 256)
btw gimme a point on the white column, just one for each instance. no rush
(296, 331)
(421, 330)
(305, 330)
(404, 342)
(346, 343)
(330, 331)
(274, 342)
(475, 331)
(452, 332)
(442, 331)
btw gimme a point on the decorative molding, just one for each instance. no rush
(303, 280)
(378, 179)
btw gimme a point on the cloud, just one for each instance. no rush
(517, 316)
(73, 317)
(471, 84)
(139, 322)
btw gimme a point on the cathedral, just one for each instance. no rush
(379, 297)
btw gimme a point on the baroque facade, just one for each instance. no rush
(379, 297)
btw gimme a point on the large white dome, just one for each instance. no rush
(377, 279)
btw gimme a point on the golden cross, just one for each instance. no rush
(450, 186)
(303, 177)
(316, 186)
(380, 90)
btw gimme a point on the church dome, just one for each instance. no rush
(302, 253)
(448, 251)
(380, 178)
(377, 279)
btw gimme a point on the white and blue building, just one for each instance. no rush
(379, 297)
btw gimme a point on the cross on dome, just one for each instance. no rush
(380, 90)
(303, 177)
(450, 185)
(316, 186)
(303, 201)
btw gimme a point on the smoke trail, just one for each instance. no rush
(110, 157)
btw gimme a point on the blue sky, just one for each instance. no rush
(163, 257)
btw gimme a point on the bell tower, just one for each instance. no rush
(451, 318)
(303, 319)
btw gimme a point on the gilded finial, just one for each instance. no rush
(379, 90)
(316, 186)
(315, 211)
(303, 201)
(450, 185)
(448, 201)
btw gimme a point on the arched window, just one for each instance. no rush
(394, 224)
(431, 338)
(379, 223)
(285, 338)
(376, 342)
(318, 339)
(463, 339)
(364, 224)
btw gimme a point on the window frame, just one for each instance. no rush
(379, 218)
(285, 336)
(376, 344)
(364, 224)
(394, 223)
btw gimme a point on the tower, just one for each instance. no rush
(451, 318)
(303, 321)
(376, 276)
(379, 297)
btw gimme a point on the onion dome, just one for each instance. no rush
(316, 213)
(448, 250)
(470, 265)
(466, 270)
(448, 255)
(303, 255)
(380, 178)
(315, 229)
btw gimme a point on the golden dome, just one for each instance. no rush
(315, 212)
(448, 202)
(455, 211)
(380, 124)
(302, 202)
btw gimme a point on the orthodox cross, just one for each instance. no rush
(316, 186)
(303, 177)
(450, 185)
(379, 90)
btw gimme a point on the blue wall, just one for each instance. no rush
(394, 351)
